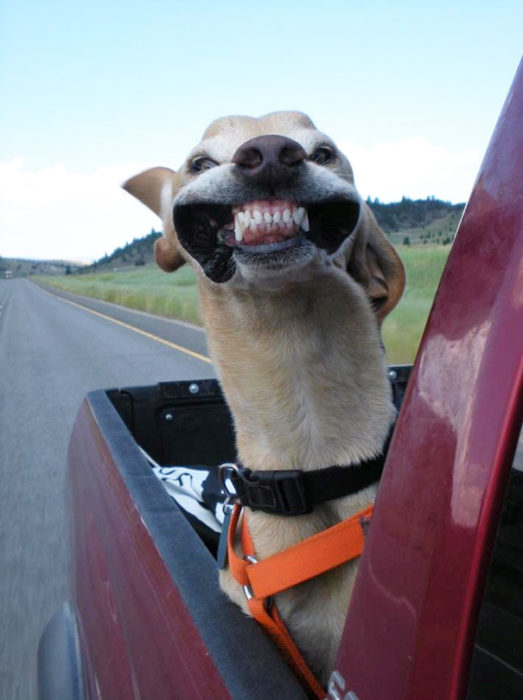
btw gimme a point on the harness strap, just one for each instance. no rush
(305, 560)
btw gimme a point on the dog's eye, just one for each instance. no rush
(322, 155)
(201, 163)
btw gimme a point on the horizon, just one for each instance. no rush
(95, 94)
(89, 262)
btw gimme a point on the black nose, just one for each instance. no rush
(269, 160)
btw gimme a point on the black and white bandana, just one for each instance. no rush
(195, 489)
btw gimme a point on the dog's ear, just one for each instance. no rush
(156, 188)
(374, 263)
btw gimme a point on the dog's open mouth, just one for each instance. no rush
(265, 226)
(261, 232)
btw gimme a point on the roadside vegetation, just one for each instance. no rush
(144, 288)
(149, 289)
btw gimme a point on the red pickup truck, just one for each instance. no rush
(437, 612)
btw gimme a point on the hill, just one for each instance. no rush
(418, 221)
(138, 252)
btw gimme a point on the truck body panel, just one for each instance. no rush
(422, 575)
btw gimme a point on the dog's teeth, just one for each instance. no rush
(287, 216)
(297, 215)
(257, 216)
(267, 217)
(276, 217)
(305, 222)
(238, 227)
(246, 219)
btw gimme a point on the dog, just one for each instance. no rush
(295, 277)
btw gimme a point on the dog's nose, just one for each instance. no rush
(269, 160)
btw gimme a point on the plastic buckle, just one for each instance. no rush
(280, 492)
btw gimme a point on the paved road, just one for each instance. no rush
(52, 352)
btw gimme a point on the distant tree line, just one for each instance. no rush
(411, 213)
(137, 252)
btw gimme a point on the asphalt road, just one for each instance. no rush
(52, 352)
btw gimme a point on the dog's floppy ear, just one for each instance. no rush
(374, 263)
(155, 188)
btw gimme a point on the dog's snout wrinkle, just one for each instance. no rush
(269, 160)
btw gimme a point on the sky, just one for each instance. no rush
(94, 92)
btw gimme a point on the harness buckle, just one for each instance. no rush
(280, 492)
(225, 471)
(247, 590)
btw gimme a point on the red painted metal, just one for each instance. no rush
(412, 619)
(138, 638)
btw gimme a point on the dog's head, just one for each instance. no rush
(266, 200)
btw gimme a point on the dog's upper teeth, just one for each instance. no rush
(238, 227)
(259, 217)
(297, 215)
(305, 221)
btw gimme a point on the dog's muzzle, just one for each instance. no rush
(278, 215)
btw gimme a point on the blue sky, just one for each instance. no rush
(93, 92)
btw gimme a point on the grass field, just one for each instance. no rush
(175, 295)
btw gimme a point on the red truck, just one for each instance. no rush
(437, 611)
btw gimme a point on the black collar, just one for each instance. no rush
(294, 492)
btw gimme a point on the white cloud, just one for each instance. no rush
(56, 212)
(413, 168)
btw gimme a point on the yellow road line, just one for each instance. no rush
(173, 346)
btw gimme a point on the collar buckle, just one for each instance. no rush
(280, 492)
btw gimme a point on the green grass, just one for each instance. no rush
(175, 295)
(145, 288)
(403, 328)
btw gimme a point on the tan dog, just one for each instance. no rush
(295, 277)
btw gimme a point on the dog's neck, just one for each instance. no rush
(302, 370)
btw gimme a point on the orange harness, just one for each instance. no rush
(309, 558)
